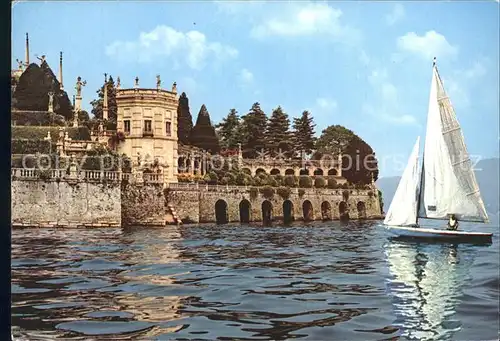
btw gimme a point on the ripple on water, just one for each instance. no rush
(324, 281)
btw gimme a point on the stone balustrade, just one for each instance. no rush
(293, 190)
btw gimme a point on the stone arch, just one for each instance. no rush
(245, 209)
(290, 171)
(275, 171)
(246, 170)
(287, 211)
(332, 171)
(361, 210)
(307, 209)
(318, 171)
(267, 212)
(326, 210)
(343, 211)
(260, 170)
(221, 216)
(304, 171)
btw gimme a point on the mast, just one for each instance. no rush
(422, 168)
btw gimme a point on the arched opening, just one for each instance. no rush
(290, 171)
(259, 171)
(361, 210)
(318, 171)
(343, 212)
(326, 210)
(267, 212)
(287, 212)
(246, 170)
(307, 209)
(196, 165)
(221, 212)
(244, 211)
(332, 171)
(181, 165)
(304, 171)
(275, 171)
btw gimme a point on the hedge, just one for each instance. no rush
(39, 133)
(36, 118)
(32, 146)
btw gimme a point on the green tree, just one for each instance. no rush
(253, 131)
(358, 159)
(278, 134)
(32, 91)
(184, 119)
(229, 130)
(97, 104)
(203, 133)
(303, 133)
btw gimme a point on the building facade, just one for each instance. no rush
(148, 120)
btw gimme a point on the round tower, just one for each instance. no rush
(148, 120)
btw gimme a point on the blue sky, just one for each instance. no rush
(364, 65)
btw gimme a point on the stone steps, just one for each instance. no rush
(171, 210)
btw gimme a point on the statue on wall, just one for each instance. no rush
(79, 85)
(118, 82)
(42, 60)
(20, 63)
(136, 81)
(174, 87)
(51, 101)
(158, 82)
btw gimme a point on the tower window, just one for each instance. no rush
(126, 125)
(168, 128)
(147, 128)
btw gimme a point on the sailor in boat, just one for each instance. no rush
(453, 223)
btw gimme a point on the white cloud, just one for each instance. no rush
(191, 47)
(459, 83)
(246, 76)
(387, 108)
(397, 13)
(326, 103)
(301, 19)
(428, 46)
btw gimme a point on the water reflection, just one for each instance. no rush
(323, 281)
(426, 288)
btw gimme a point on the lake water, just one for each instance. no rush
(325, 281)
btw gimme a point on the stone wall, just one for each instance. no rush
(95, 203)
(200, 206)
(142, 205)
(65, 204)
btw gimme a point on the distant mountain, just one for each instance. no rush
(487, 174)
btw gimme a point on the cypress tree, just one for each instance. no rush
(253, 131)
(32, 91)
(97, 104)
(229, 130)
(303, 132)
(203, 133)
(184, 119)
(278, 134)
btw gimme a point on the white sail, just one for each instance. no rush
(403, 208)
(448, 185)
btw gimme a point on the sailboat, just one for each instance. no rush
(444, 184)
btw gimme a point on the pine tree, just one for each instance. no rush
(303, 133)
(203, 133)
(278, 136)
(32, 91)
(229, 130)
(98, 103)
(184, 119)
(253, 131)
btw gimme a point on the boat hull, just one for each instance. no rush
(438, 235)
